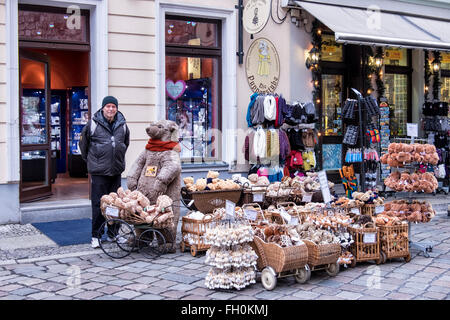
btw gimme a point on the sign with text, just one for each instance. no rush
(323, 180)
(255, 15)
(412, 130)
(112, 211)
(250, 214)
(370, 238)
(229, 209)
(258, 197)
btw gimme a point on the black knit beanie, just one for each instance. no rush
(110, 99)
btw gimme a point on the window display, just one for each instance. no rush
(33, 117)
(332, 100)
(192, 104)
(80, 116)
(397, 95)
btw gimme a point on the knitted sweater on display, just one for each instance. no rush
(250, 105)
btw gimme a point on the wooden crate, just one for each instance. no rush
(366, 244)
(394, 242)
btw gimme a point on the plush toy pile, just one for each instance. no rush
(135, 208)
(335, 221)
(276, 189)
(273, 233)
(416, 211)
(419, 182)
(258, 181)
(369, 197)
(212, 182)
(346, 203)
(400, 154)
(306, 184)
(309, 231)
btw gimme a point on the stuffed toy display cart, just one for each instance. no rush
(132, 224)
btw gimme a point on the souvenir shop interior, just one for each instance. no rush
(54, 104)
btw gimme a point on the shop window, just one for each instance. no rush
(397, 95)
(330, 50)
(193, 86)
(62, 25)
(191, 33)
(445, 89)
(332, 101)
(396, 57)
(445, 61)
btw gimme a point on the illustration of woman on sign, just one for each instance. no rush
(264, 59)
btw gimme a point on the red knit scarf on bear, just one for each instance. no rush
(158, 145)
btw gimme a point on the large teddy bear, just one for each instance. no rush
(157, 170)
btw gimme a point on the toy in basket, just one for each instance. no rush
(286, 212)
(209, 200)
(277, 193)
(394, 238)
(366, 244)
(278, 256)
(129, 216)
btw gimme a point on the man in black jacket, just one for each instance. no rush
(103, 143)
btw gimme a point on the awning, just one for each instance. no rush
(383, 28)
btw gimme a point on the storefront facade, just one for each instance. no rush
(178, 60)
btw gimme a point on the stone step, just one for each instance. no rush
(55, 211)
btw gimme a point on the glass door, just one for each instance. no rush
(35, 143)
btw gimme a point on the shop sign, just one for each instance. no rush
(256, 14)
(394, 54)
(262, 66)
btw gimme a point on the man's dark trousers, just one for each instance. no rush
(101, 185)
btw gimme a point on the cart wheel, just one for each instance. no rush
(268, 278)
(122, 238)
(303, 274)
(193, 251)
(408, 258)
(332, 269)
(383, 257)
(152, 243)
(182, 246)
(353, 264)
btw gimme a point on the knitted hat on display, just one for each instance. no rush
(110, 99)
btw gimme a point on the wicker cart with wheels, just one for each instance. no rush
(193, 231)
(276, 262)
(323, 257)
(121, 236)
(394, 242)
(366, 246)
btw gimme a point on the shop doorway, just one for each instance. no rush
(54, 104)
(55, 115)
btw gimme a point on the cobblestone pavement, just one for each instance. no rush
(79, 272)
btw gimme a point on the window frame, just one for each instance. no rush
(201, 52)
(405, 70)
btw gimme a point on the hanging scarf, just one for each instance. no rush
(158, 145)
(259, 144)
(270, 109)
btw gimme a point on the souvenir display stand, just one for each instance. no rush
(422, 247)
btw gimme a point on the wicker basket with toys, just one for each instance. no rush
(210, 193)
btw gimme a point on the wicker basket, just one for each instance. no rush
(368, 210)
(394, 241)
(361, 249)
(254, 195)
(280, 259)
(207, 201)
(322, 254)
(260, 215)
(195, 229)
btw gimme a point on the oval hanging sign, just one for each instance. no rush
(262, 66)
(256, 14)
